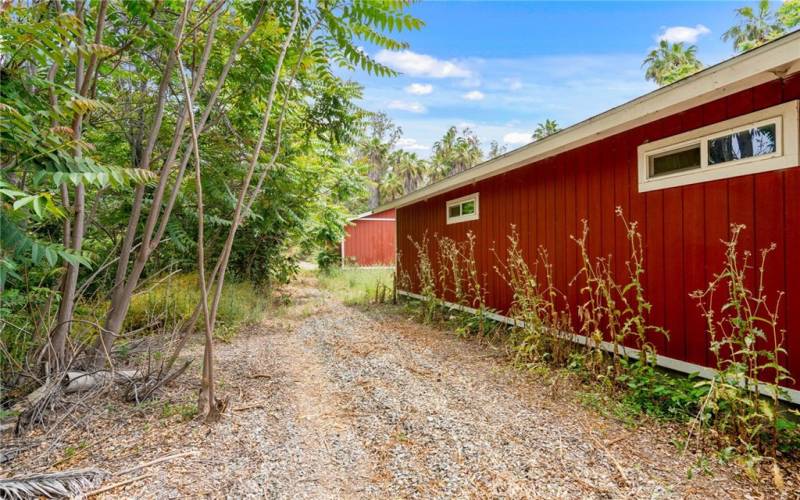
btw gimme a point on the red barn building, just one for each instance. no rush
(370, 240)
(686, 161)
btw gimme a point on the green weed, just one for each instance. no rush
(172, 300)
(186, 411)
(354, 285)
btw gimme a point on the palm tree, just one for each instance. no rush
(757, 27)
(670, 62)
(454, 153)
(443, 153)
(374, 149)
(468, 151)
(549, 127)
(413, 171)
(406, 173)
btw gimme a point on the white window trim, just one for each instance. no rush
(458, 201)
(785, 116)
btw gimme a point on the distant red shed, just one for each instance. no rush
(370, 240)
(686, 161)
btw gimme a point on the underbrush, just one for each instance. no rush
(739, 409)
(358, 285)
(158, 309)
(173, 299)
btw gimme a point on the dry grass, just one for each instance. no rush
(362, 403)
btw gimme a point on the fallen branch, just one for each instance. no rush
(139, 394)
(615, 440)
(156, 461)
(610, 456)
(118, 484)
(84, 381)
(249, 407)
(615, 462)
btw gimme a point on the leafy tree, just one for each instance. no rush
(670, 62)
(548, 127)
(789, 14)
(496, 149)
(107, 107)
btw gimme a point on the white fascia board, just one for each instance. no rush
(792, 395)
(356, 217)
(763, 64)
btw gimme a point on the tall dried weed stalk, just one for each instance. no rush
(747, 341)
(402, 278)
(426, 277)
(543, 329)
(455, 276)
(611, 311)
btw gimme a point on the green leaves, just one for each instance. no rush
(40, 202)
(671, 62)
(24, 250)
(757, 27)
(365, 20)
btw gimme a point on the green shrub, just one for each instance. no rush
(186, 411)
(328, 260)
(660, 394)
(173, 300)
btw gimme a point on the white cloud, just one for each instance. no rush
(517, 138)
(474, 95)
(410, 106)
(419, 88)
(568, 88)
(513, 83)
(409, 143)
(414, 64)
(677, 34)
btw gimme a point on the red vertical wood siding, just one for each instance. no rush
(371, 240)
(682, 227)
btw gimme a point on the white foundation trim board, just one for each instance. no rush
(792, 395)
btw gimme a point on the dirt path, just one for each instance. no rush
(329, 401)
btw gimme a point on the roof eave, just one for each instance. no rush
(768, 62)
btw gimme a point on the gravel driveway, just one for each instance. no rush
(330, 401)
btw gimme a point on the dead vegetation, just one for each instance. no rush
(364, 402)
(608, 342)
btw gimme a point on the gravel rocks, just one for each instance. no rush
(343, 402)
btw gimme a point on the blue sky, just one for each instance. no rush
(502, 67)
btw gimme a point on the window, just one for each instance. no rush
(463, 209)
(757, 142)
(675, 161)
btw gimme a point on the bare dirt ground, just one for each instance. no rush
(331, 401)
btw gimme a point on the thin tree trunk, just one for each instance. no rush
(122, 291)
(74, 241)
(219, 268)
(206, 401)
(188, 325)
(125, 283)
(240, 202)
